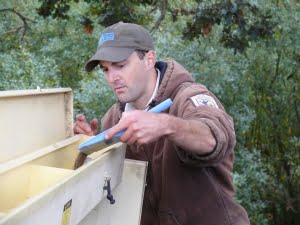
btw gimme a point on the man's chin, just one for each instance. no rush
(122, 99)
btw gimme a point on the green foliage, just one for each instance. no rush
(251, 176)
(18, 67)
(94, 97)
(258, 83)
(242, 22)
(108, 12)
(57, 9)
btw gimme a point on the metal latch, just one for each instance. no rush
(106, 187)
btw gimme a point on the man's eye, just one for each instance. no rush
(119, 65)
(103, 68)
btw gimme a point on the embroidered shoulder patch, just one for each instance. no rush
(200, 100)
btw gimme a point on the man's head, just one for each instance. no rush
(118, 41)
(126, 55)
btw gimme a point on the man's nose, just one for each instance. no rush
(112, 75)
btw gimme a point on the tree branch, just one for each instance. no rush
(276, 69)
(25, 20)
(163, 9)
(15, 30)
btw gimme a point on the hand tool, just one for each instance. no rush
(99, 142)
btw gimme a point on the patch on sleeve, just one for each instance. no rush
(200, 100)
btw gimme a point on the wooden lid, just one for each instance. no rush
(33, 119)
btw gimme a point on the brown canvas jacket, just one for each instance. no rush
(183, 188)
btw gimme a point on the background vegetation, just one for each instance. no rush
(246, 52)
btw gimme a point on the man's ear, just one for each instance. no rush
(150, 59)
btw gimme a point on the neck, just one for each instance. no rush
(151, 83)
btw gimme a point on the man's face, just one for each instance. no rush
(128, 79)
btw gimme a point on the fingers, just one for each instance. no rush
(80, 130)
(140, 128)
(129, 124)
(134, 140)
(94, 126)
(116, 129)
(129, 136)
(80, 117)
(82, 127)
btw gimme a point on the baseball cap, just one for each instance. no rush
(118, 41)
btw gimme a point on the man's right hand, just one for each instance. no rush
(81, 126)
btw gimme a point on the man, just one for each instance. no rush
(189, 148)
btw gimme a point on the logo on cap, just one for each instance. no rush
(109, 36)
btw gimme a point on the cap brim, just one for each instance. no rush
(109, 54)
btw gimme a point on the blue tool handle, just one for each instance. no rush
(101, 137)
(162, 106)
(159, 108)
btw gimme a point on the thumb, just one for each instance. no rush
(94, 126)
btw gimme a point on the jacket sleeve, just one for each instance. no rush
(215, 117)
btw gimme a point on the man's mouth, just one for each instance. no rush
(119, 89)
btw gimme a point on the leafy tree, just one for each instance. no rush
(242, 21)
(246, 52)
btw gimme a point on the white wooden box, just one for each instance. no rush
(38, 184)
